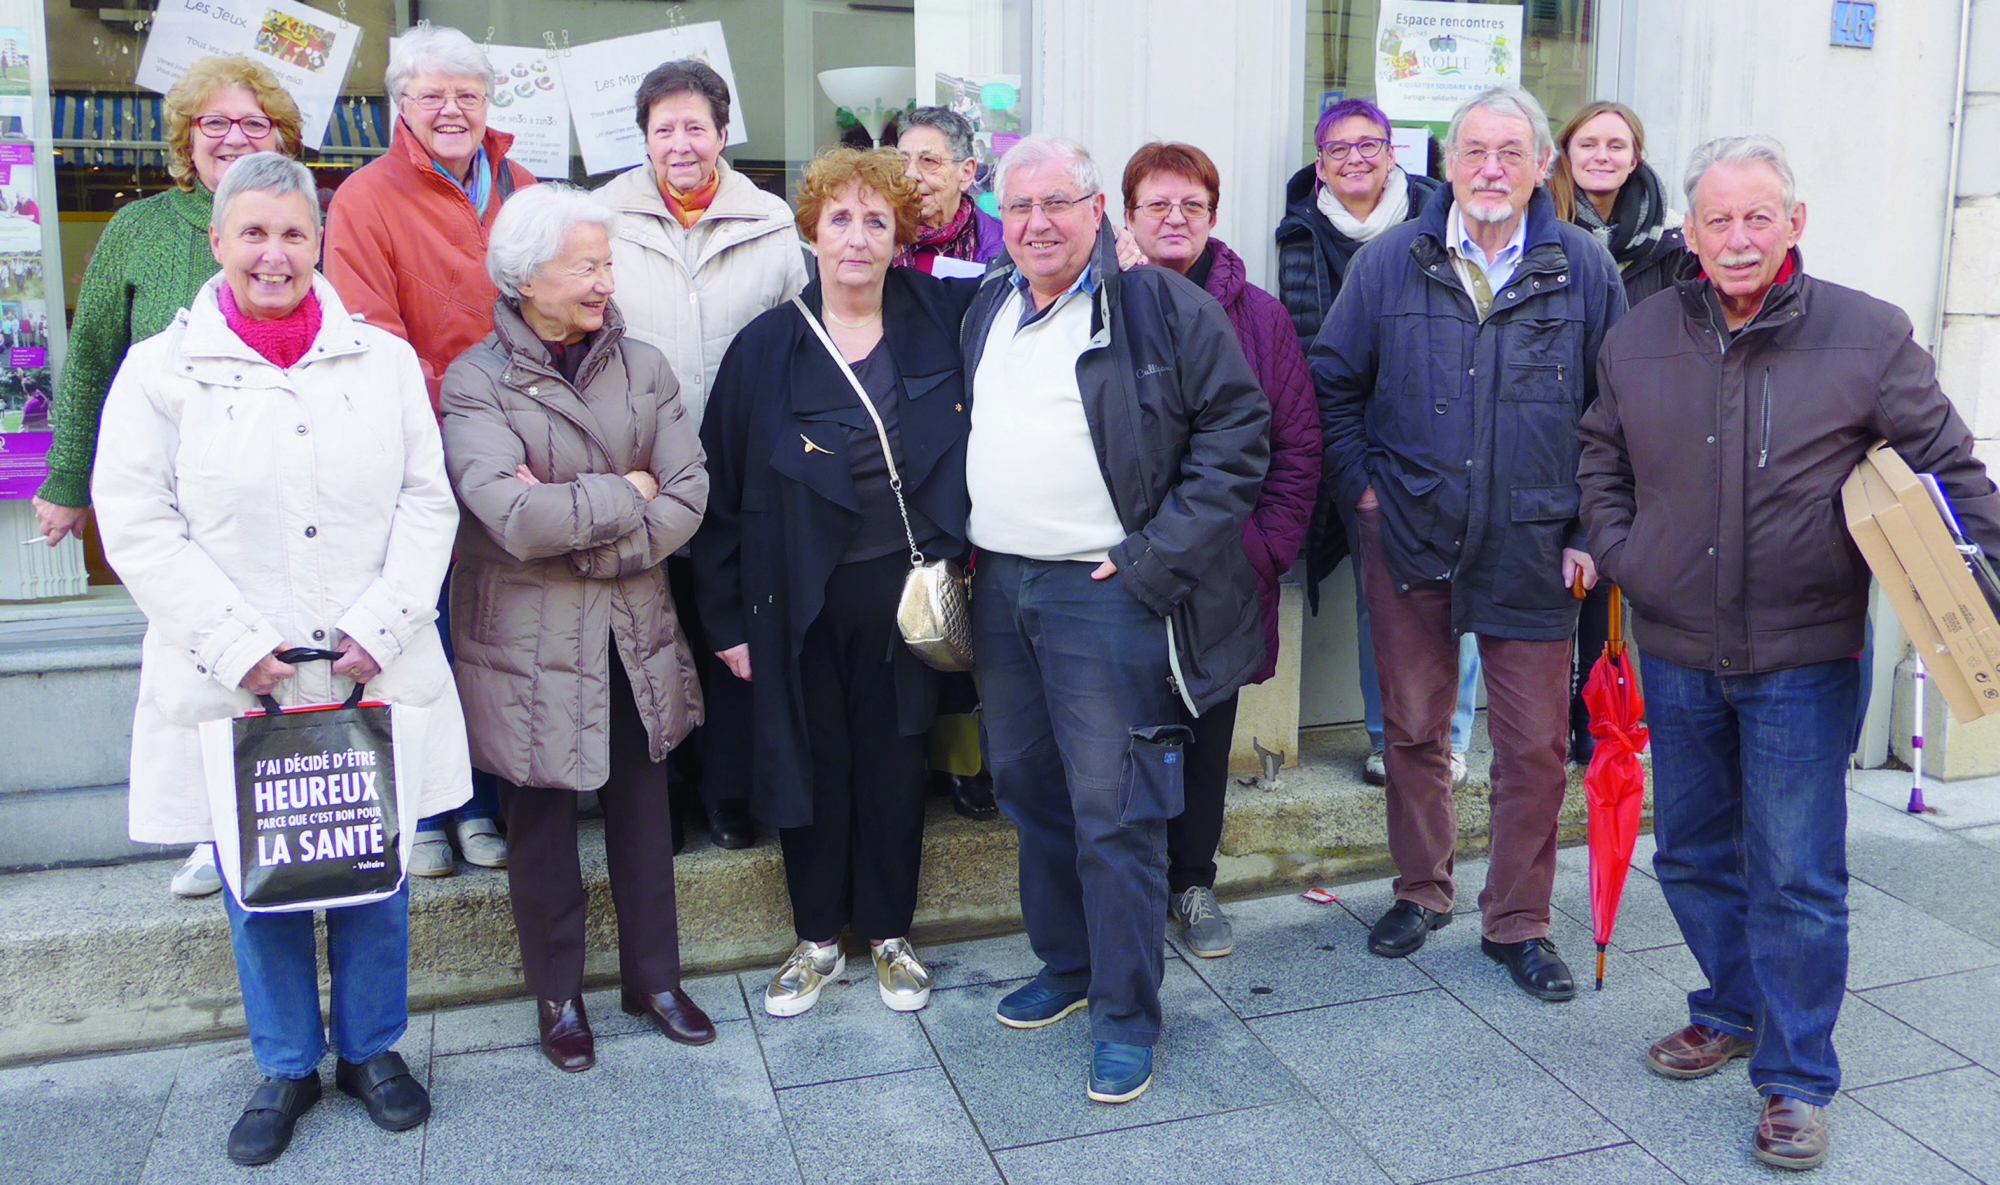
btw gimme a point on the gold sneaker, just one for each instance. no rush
(905, 983)
(795, 988)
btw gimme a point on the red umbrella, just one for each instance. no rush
(1614, 785)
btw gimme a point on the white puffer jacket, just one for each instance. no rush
(686, 292)
(248, 508)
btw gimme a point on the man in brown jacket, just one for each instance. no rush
(1730, 410)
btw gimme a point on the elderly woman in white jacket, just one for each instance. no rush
(269, 475)
(700, 251)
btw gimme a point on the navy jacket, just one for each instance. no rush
(1183, 438)
(780, 515)
(1467, 430)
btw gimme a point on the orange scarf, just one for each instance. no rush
(688, 210)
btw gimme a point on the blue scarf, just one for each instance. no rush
(480, 190)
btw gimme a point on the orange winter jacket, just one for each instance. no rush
(407, 251)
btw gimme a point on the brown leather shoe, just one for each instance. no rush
(1791, 1134)
(1696, 1052)
(566, 1038)
(673, 1013)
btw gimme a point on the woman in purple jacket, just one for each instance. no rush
(1170, 193)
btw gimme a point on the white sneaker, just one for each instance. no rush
(430, 855)
(480, 843)
(1375, 771)
(1459, 776)
(197, 876)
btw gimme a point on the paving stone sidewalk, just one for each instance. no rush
(1297, 1059)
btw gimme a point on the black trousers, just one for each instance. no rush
(545, 874)
(855, 865)
(715, 761)
(1593, 630)
(1192, 835)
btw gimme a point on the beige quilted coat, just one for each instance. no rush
(685, 292)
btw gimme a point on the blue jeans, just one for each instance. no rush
(1073, 679)
(1750, 815)
(1371, 683)
(368, 959)
(485, 801)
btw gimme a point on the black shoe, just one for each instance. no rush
(730, 827)
(395, 1101)
(1535, 966)
(265, 1130)
(973, 797)
(1402, 930)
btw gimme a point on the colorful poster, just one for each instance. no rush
(310, 51)
(25, 382)
(992, 103)
(20, 213)
(601, 79)
(1430, 57)
(531, 105)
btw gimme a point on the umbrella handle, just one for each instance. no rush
(1576, 588)
(1614, 644)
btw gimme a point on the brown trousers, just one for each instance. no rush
(545, 872)
(1527, 700)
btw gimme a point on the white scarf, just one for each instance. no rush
(1392, 209)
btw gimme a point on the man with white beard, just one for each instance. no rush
(1452, 372)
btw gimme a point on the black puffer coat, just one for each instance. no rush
(1313, 255)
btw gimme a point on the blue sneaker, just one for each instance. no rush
(1031, 1006)
(1119, 1073)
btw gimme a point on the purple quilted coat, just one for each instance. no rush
(1276, 529)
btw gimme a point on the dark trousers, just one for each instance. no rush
(1069, 669)
(1593, 630)
(545, 874)
(855, 865)
(1750, 813)
(1194, 834)
(1527, 716)
(715, 761)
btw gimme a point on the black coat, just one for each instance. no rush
(1467, 429)
(1313, 255)
(1183, 437)
(780, 515)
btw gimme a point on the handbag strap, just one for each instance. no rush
(881, 432)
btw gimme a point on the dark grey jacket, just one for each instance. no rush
(1467, 429)
(1712, 467)
(1183, 438)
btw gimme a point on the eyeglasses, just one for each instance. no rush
(1509, 158)
(1337, 150)
(1192, 209)
(930, 163)
(215, 127)
(1051, 207)
(432, 101)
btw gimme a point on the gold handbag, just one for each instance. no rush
(935, 610)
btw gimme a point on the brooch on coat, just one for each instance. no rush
(812, 448)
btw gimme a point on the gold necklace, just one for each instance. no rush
(864, 323)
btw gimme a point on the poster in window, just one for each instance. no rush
(309, 50)
(992, 104)
(529, 104)
(1430, 57)
(602, 79)
(25, 381)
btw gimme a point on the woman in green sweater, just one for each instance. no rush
(153, 257)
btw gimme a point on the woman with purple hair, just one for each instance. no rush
(1352, 192)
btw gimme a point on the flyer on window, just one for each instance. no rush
(26, 385)
(529, 104)
(1430, 57)
(602, 79)
(310, 51)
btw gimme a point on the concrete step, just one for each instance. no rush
(66, 692)
(105, 958)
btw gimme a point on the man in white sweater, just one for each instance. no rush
(1118, 442)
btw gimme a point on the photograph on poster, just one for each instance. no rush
(14, 61)
(1431, 56)
(992, 103)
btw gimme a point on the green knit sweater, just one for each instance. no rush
(153, 258)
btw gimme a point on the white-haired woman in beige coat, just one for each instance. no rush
(269, 476)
